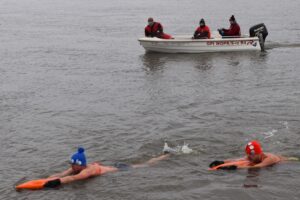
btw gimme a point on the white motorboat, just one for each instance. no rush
(185, 44)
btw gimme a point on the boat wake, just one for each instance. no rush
(273, 45)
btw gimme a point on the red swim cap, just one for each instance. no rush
(253, 148)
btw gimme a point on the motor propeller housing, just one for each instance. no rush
(260, 31)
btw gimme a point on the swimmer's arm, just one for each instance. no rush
(62, 174)
(234, 160)
(84, 174)
(267, 162)
(261, 165)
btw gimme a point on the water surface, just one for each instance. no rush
(72, 73)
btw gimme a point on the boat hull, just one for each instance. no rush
(188, 45)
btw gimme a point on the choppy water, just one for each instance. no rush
(72, 73)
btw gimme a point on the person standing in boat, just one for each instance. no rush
(234, 29)
(202, 32)
(155, 29)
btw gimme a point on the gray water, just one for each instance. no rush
(72, 73)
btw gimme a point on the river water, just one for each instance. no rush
(72, 73)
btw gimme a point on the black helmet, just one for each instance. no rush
(150, 19)
(232, 18)
(202, 21)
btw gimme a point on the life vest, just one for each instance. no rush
(156, 30)
(205, 31)
(234, 30)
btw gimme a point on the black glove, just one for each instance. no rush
(216, 163)
(53, 183)
(231, 167)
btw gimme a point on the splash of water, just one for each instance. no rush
(270, 133)
(168, 149)
(285, 124)
(185, 149)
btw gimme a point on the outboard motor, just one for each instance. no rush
(260, 31)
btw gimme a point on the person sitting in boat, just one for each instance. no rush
(202, 32)
(234, 29)
(155, 29)
(255, 158)
(80, 170)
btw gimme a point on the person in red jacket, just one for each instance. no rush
(155, 29)
(202, 32)
(234, 29)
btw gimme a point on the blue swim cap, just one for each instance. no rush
(79, 157)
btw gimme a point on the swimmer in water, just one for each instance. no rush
(80, 170)
(255, 156)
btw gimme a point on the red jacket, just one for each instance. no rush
(202, 33)
(234, 30)
(156, 30)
